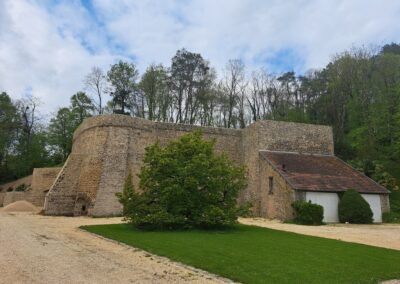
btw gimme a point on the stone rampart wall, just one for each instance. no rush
(39, 184)
(106, 148)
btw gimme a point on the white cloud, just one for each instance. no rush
(39, 54)
(47, 49)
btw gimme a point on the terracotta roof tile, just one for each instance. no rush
(320, 173)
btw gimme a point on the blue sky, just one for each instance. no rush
(48, 46)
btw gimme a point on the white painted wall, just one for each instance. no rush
(374, 201)
(327, 200)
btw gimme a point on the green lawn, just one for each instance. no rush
(257, 255)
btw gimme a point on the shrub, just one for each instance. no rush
(127, 195)
(307, 213)
(184, 185)
(21, 187)
(354, 209)
(10, 189)
(391, 217)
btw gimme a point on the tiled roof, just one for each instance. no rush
(320, 173)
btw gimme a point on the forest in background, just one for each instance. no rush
(357, 93)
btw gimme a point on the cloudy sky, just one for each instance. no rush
(47, 46)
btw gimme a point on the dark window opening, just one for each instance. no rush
(271, 185)
(83, 208)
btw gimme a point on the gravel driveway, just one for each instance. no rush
(43, 249)
(380, 235)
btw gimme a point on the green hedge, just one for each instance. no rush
(391, 217)
(354, 209)
(308, 213)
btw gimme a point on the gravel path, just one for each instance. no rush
(42, 249)
(380, 235)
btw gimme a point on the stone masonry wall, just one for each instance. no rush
(40, 181)
(385, 204)
(275, 204)
(13, 184)
(106, 148)
(279, 136)
(13, 196)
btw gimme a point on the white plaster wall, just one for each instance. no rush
(329, 201)
(374, 201)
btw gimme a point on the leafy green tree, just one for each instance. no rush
(189, 74)
(29, 147)
(60, 133)
(122, 76)
(9, 124)
(154, 87)
(185, 185)
(62, 126)
(81, 107)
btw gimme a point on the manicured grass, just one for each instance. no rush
(257, 255)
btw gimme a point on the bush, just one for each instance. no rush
(354, 209)
(391, 217)
(21, 187)
(308, 213)
(10, 189)
(184, 185)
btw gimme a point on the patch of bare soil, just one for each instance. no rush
(380, 235)
(20, 206)
(44, 249)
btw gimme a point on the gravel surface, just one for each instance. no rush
(44, 249)
(21, 206)
(380, 235)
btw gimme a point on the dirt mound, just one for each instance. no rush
(20, 206)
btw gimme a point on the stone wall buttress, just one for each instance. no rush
(114, 172)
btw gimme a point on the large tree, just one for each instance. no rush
(190, 74)
(60, 133)
(122, 77)
(9, 124)
(155, 92)
(81, 106)
(234, 88)
(96, 82)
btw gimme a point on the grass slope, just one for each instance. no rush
(258, 255)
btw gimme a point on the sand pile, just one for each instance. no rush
(20, 206)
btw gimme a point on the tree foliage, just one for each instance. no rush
(122, 77)
(184, 185)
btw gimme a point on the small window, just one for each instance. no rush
(271, 185)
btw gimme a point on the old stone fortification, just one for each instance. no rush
(39, 183)
(107, 147)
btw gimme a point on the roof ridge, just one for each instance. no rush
(297, 153)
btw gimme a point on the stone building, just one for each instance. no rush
(106, 148)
